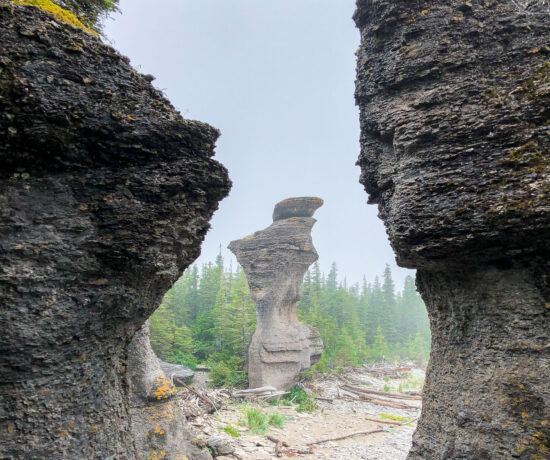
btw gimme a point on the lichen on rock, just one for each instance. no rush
(106, 193)
(157, 418)
(455, 148)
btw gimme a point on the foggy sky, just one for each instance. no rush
(277, 78)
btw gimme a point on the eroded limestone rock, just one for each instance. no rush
(157, 419)
(177, 372)
(105, 196)
(275, 261)
(455, 149)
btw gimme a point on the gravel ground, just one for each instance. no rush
(340, 417)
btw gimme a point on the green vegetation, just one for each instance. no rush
(256, 421)
(60, 14)
(231, 431)
(90, 12)
(297, 395)
(276, 420)
(397, 418)
(228, 373)
(411, 383)
(85, 14)
(208, 317)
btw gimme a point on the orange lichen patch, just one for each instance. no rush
(158, 429)
(163, 388)
(156, 455)
(99, 282)
(58, 13)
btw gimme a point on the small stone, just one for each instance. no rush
(176, 372)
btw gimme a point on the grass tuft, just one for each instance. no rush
(231, 431)
(276, 420)
(397, 418)
(297, 395)
(256, 421)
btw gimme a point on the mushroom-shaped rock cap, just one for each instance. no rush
(296, 207)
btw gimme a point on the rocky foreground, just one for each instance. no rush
(342, 410)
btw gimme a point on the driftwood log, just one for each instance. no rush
(380, 393)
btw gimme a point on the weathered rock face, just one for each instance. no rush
(176, 372)
(455, 149)
(105, 197)
(275, 261)
(157, 419)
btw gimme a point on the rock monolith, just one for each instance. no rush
(106, 193)
(454, 104)
(275, 261)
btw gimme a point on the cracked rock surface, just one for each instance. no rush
(105, 197)
(454, 104)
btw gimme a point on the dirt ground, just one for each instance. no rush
(339, 413)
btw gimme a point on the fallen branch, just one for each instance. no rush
(330, 400)
(255, 391)
(380, 393)
(277, 441)
(295, 450)
(383, 402)
(196, 393)
(273, 395)
(358, 433)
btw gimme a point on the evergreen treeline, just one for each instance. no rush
(209, 317)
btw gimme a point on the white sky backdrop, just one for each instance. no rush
(277, 78)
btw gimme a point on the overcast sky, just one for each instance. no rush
(277, 78)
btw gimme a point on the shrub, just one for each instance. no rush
(297, 395)
(90, 11)
(185, 359)
(256, 421)
(227, 373)
(276, 420)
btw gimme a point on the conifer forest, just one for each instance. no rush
(208, 317)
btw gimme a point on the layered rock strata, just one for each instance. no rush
(275, 261)
(454, 102)
(105, 196)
